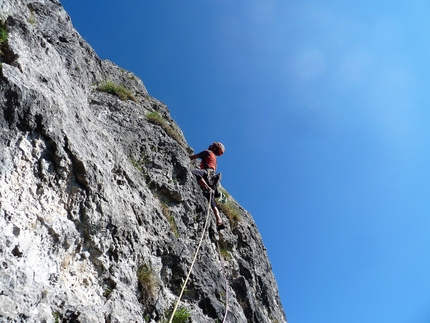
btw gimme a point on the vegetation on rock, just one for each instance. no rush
(116, 89)
(182, 315)
(230, 210)
(155, 118)
(170, 218)
(147, 282)
(3, 39)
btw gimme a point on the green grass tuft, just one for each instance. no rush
(155, 118)
(225, 252)
(3, 33)
(3, 43)
(170, 218)
(57, 316)
(230, 210)
(119, 90)
(147, 282)
(182, 315)
(137, 164)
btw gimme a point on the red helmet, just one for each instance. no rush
(220, 149)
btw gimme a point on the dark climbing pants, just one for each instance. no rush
(203, 174)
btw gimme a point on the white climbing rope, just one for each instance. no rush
(192, 263)
(226, 283)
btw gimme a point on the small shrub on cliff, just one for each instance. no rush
(57, 316)
(182, 315)
(3, 39)
(32, 18)
(230, 210)
(225, 252)
(6, 54)
(147, 282)
(107, 291)
(136, 164)
(155, 118)
(139, 164)
(3, 33)
(170, 218)
(116, 89)
(273, 320)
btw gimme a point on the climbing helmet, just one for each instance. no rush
(219, 146)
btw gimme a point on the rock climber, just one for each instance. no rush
(206, 176)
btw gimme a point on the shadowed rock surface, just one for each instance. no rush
(94, 193)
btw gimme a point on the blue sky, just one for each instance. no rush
(323, 107)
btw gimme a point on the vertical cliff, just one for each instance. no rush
(100, 214)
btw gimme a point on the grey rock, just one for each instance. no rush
(91, 192)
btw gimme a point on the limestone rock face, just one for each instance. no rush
(100, 214)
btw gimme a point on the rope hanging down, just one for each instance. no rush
(192, 265)
(226, 283)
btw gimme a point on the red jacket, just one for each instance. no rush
(208, 159)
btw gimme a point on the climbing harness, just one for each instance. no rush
(192, 264)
